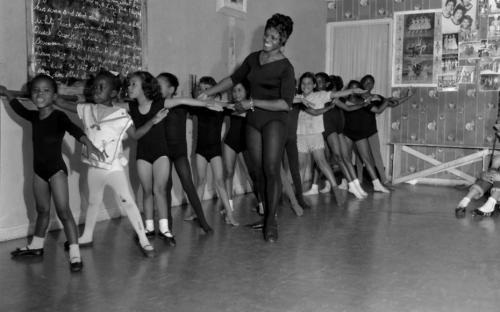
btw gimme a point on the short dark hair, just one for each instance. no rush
(172, 80)
(304, 76)
(336, 83)
(246, 86)
(38, 77)
(208, 80)
(323, 75)
(353, 84)
(150, 85)
(365, 78)
(114, 80)
(283, 24)
(469, 18)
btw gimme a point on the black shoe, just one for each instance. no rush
(150, 233)
(148, 253)
(271, 235)
(256, 225)
(75, 266)
(27, 252)
(170, 240)
(84, 245)
(478, 212)
(460, 212)
(205, 227)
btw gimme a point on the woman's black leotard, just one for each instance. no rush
(175, 132)
(209, 143)
(47, 136)
(153, 144)
(235, 137)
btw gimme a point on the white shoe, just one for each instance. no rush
(312, 191)
(359, 188)
(326, 189)
(353, 190)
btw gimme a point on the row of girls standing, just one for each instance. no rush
(106, 123)
(349, 125)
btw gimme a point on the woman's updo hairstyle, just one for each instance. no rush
(283, 24)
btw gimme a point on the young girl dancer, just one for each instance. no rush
(234, 143)
(380, 104)
(51, 175)
(359, 126)
(334, 122)
(209, 151)
(153, 165)
(175, 133)
(107, 125)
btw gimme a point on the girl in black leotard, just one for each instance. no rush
(334, 121)
(175, 132)
(209, 151)
(272, 87)
(152, 160)
(51, 175)
(235, 143)
(359, 126)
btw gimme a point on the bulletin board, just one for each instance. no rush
(70, 40)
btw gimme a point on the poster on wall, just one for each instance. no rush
(471, 50)
(494, 6)
(489, 82)
(417, 48)
(493, 26)
(447, 83)
(466, 74)
(459, 16)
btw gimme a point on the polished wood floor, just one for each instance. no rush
(400, 252)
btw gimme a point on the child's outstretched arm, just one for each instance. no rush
(316, 111)
(349, 106)
(69, 106)
(138, 133)
(5, 92)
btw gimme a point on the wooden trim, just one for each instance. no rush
(144, 35)
(29, 40)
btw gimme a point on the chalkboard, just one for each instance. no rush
(73, 39)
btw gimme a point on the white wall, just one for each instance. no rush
(185, 37)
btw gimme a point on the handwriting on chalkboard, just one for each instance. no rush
(74, 39)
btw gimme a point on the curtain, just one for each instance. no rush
(360, 49)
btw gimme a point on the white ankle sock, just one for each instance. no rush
(163, 223)
(353, 190)
(231, 204)
(36, 242)
(489, 206)
(150, 225)
(74, 253)
(378, 187)
(359, 188)
(464, 202)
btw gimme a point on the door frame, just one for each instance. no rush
(383, 120)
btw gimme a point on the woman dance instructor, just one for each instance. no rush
(272, 88)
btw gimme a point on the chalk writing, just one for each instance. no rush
(74, 39)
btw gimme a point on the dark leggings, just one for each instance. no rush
(184, 172)
(265, 148)
(292, 154)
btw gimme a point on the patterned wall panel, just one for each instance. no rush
(463, 118)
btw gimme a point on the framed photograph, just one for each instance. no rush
(459, 16)
(447, 83)
(418, 47)
(235, 8)
(466, 74)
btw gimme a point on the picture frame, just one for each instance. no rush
(234, 8)
(417, 50)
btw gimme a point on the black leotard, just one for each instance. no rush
(360, 123)
(153, 144)
(209, 143)
(47, 136)
(235, 137)
(271, 81)
(333, 121)
(175, 132)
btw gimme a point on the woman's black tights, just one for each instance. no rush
(184, 172)
(292, 154)
(265, 148)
